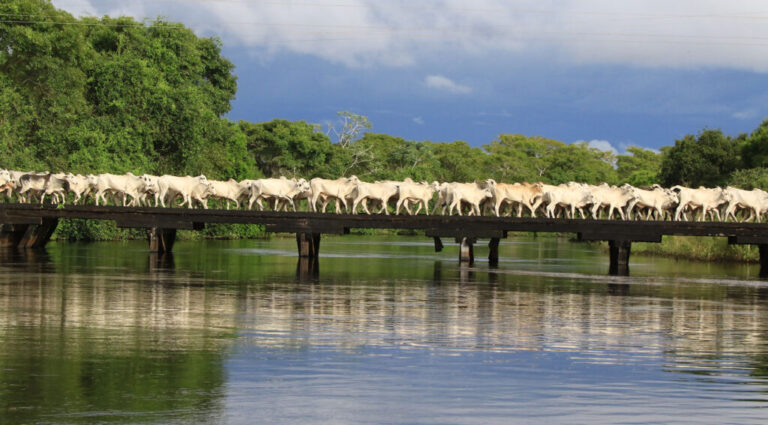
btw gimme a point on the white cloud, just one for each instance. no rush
(746, 114)
(650, 33)
(603, 145)
(418, 120)
(442, 83)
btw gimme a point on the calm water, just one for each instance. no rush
(390, 332)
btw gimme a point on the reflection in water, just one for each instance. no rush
(224, 333)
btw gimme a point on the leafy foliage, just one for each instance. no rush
(704, 160)
(641, 168)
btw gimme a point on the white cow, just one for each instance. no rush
(657, 201)
(570, 196)
(338, 190)
(471, 193)
(230, 191)
(31, 184)
(707, 199)
(754, 200)
(281, 189)
(57, 187)
(380, 192)
(516, 194)
(610, 197)
(123, 185)
(81, 185)
(419, 193)
(186, 187)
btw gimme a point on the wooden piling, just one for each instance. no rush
(438, 244)
(11, 234)
(161, 240)
(493, 251)
(619, 257)
(466, 251)
(37, 236)
(763, 248)
(308, 244)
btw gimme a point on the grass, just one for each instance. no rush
(698, 248)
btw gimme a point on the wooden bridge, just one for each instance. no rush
(28, 226)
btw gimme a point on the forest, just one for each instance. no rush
(91, 95)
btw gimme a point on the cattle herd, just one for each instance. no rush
(351, 195)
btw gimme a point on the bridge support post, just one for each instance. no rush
(438, 244)
(763, 248)
(493, 252)
(307, 269)
(37, 236)
(619, 252)
(466, 250)
(11, 234)
(161, 240)
(308, 244)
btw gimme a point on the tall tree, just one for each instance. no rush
(707, 159)
(293, 149)
(113, 94)
(755, 148)
(640, 168)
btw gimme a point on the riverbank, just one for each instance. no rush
(698, 249)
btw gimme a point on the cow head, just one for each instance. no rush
(150, 183)
(92, 180)
(302, 185)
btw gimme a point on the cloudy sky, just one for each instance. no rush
(612, 72)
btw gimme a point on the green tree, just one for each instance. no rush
(393, 158)
(755, 148)
(750, 178)
(515, 157)
(114, 95)
(704, 160)
(640, 168)
(460, 162)
(578, 162)
(293, 149)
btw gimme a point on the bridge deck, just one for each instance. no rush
(434, 225)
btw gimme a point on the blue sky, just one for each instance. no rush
(642, 73)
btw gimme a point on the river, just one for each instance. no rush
(389, 332)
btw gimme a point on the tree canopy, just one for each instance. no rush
(707, 159)
(115, 95)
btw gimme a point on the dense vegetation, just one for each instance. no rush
(115, 95)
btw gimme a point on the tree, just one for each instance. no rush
(459, 162)
(114, 95)
(294, 149)
(750, 178)
(640, 168)
(515, 157)
(349, 129)
(578, 162)
(704, 160)
(755, 148)
(390, 158)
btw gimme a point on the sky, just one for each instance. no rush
(613, 73)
